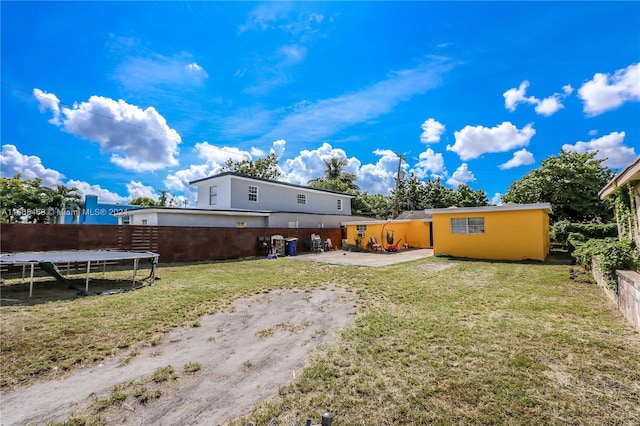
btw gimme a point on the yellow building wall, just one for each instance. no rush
(416, 233)
(509, 235)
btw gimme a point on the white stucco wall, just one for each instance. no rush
(223, 221)
(276, 197)
(223, 201)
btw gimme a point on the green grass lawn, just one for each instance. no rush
(478, 343)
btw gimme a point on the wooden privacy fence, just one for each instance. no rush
(173, 243)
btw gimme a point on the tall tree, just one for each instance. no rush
(265, 168)
(23, 200)
(144, 202)
(335, 170)
(371, 205)
(467, 197)
(570, 181)
(438, 196)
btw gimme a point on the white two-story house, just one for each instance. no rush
(231, 191)
(233, 200)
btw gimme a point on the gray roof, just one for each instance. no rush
(413, 214)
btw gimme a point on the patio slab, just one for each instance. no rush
(351, 258)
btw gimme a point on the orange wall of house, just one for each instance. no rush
(416, 233)
(509, 235)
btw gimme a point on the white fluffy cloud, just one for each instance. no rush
(547, 106)
(138, 189)
(380, 178)
(430, 165)
(461, 175)
(610, 147)
(278, 147)
(137, 139)
(520, 158)
(605, 92)
(513, 97)
(29, 166)
(48, 101)
(496, 199)
(472, 142)
(431, 131)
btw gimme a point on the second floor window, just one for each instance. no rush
(302, 198)
(339, 205)
(213, 195)
(253, 193)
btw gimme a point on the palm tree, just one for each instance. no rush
(336, 171)
(61, 198)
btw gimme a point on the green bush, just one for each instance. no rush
(612, 255)
(574, 240)
(561, 230)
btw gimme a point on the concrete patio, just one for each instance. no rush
(350, 258)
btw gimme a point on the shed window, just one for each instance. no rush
(213, 195)
(253, 193)
(302, 198)
(339, 205)
(467, 225)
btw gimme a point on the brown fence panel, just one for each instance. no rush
(173, 243)
(37, 237)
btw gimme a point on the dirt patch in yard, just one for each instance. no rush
(207, 374)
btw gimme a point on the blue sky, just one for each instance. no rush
(124, 99)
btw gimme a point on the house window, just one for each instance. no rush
(467, 225)
(213, 195)
(361, 229)
(293, 224)
(241, 224)
(339, 205)
(253, 193)
(144, 221)
(302, 198)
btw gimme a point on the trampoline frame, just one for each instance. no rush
(31, 259)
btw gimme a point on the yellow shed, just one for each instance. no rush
(506, 232)
(415, 233)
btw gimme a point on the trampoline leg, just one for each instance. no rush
(135, 269)
(31, 282)
(87, 282)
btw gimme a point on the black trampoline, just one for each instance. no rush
(51, 261)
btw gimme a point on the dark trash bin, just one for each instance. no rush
(291, 246)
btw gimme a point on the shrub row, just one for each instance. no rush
(612, 254)
(561, 230)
